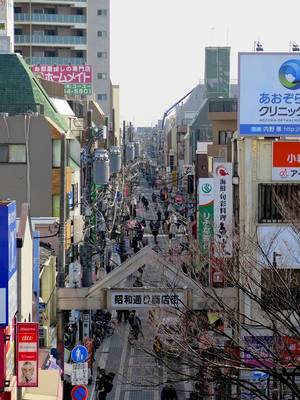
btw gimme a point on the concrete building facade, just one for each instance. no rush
(66, 32)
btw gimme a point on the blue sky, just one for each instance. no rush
(157, 46)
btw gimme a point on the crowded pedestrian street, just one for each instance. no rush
(138, 374)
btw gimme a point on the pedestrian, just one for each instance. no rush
(155, 231)
(135, 323)
(158, 215)
(153, 197)
(169, 393)
(104, 384)
(135, 244)
(146, 204)
(157, 348)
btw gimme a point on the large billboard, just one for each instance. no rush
(286, 161)
(269, 94)
(223, 210)
(205, 213)
(79, 74)
(27, 354)
(8, 270)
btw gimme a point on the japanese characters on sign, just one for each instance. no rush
(223, 210)
(269, 100)
(286, 161)
(27, 354)
(145, 299)
(80, 374)
(205, 213)
(64, 73)
(73, 89)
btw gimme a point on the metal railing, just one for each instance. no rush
(49, 39)
(55, 18)
(226, 105)
(55, 60)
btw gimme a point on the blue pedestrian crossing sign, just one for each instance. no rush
(79, 354)
(79, 393)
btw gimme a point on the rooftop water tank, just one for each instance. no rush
(101, 167)
(115, 160)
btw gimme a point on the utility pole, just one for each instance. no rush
(86, 251)
(61, 251)
(124, 143)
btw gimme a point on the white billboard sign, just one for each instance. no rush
(147, 298)
(269, 94)
(80, 374)
(223, 210)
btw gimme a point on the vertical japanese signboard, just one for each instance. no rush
(223, 210)
(27, 354)
(8, 270)
(205, 213)
(269, 98)
(286, 161)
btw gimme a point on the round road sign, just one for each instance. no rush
(79, 392)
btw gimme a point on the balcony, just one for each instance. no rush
(225, 105)
(55, 60)
(51, 18)
(50, 40)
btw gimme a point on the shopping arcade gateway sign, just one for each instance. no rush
(179, 289)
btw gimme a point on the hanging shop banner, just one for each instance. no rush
(269, 98)
(205, 213)
(64, 73)
(8, 270)
(27, 354)
(286, 161)
(217, 269)
(223, 209)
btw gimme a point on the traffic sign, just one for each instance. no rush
(80, 393)
(79, 354)
(80, 374)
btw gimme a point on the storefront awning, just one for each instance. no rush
(50, 387)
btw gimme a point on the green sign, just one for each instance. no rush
(205, 222)
(73, 89)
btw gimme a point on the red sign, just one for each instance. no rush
(64, 73)
(2, 358)
(286, 161)
(79, 392)
(27, 354)
(5, 396)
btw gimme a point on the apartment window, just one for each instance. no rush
(102, 96)
(18, 10)
(101, 75)
(50, 11)
(50, 32)
(225, 136)
(102, 34)
(56, 153)
(102, 54)
(12, 153)
(18, 31)
(102, 12)
(50, 53)
(79, 54)
(278, 202)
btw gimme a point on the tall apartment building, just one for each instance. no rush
(67, 32)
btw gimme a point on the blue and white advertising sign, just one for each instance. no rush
(269, 94)
(79, 354)
(8, 257)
